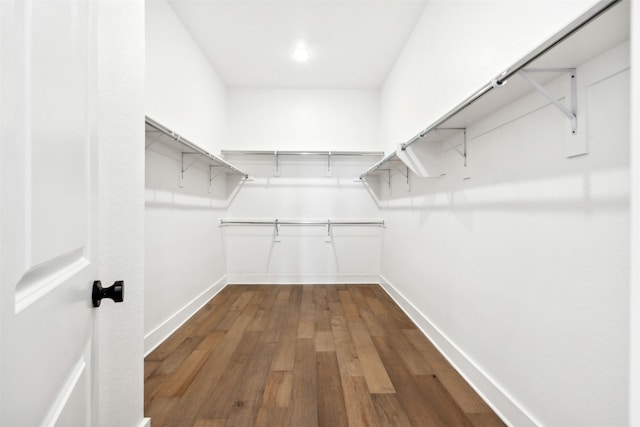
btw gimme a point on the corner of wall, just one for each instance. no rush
(173, 322)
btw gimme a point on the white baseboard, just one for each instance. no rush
(169, 326)
(301, 279)
(506, 408)
(146, 422)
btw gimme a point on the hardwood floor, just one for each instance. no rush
(305, 356)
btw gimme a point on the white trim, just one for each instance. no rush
(169, 326)
(72, 381)
(504, 406)
(634, 284)
(40, 281)
(301, 279)
(146, 422)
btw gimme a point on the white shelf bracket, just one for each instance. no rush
(407, 176)
(212, 177)
(276, 172)
(329, 163)
(388, 180)
(467, 169)
(465, 150)
(183, 169)
(408, 183)
(328, 238)
(572, 112)
(276, 231)
(404, 171)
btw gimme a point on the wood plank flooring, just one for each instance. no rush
(305, 356)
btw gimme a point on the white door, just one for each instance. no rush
(48, 216)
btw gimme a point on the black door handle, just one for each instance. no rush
(115, 292)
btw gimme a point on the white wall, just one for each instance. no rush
(634, 332)
(521, 274)
(119, 329)
(183, 91)
(455, 49)
(282, 119)
(184, 256)
(297, 119)
(302, 191)
(184, 264)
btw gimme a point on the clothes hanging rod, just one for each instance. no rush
(192, 146)
(302, 153)
(556, 39)
(227, 222)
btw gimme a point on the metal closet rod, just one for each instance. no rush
(556, 39)
(303, 153)
(192, 146)
(224, 222)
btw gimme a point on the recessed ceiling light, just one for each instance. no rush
(301, 54)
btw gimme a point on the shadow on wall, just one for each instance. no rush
(519, 163)
(199, 187)
(304, 249)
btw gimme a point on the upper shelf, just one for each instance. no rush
(572, 46)
(165, 135)
(301, 153)
(308, 153)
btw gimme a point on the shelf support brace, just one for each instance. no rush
(388, 180)
(404, 172)
(183, 169)
(571, 113)
(277, 159)
(276, 236)
(329, 163)
(465, 151)
(212, 177)
(407, 176)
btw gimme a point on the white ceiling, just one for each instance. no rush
(352, 44)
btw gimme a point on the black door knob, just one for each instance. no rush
(115, 292)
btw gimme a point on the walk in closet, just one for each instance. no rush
(483, 181)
